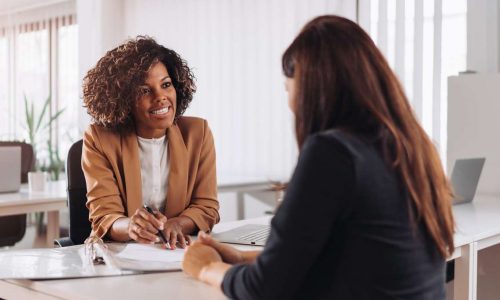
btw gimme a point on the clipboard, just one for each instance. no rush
(87, 260)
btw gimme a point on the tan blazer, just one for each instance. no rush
(111, 165)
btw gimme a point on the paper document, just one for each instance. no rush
(142, 252)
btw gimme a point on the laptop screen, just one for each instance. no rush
(10, 168)
(465, 178)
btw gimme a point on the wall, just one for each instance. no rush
(100, 24)
(235, 48)
(483, 36)
(474, 125)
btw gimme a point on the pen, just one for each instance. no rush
(160, 233)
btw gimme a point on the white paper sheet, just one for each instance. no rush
(143, 252)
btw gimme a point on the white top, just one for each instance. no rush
(153, 155)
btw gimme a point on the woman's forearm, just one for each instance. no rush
(213, 273)
(249, 257)
(119, 230)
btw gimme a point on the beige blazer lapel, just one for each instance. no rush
(177, 174)
(132, 172)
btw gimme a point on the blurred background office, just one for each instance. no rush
(234, 48)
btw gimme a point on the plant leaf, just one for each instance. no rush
(47, 102)
(53, 118)
(29, 119)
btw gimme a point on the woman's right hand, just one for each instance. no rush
(143, 226)
(228, 253)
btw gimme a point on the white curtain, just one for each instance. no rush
(424, 41)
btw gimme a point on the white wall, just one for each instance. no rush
(234, 48)
(474, 125)
(100, 25)
(483, 36)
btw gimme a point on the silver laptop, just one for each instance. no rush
(251, 234)
(10, 169)
(465, 178)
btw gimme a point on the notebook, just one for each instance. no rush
(10, 169)
(250, 234)
(465, 178)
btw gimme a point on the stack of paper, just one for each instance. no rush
(151, 253)
(143, 257)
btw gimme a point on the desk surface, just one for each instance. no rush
(475, 221)
(478, 220)
(51, 200)
(55, 192)
(171, 285)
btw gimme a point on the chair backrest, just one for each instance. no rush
(79, 225)
(27, 157)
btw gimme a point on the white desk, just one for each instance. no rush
(478, 227)
(167, 285)
(51, 200)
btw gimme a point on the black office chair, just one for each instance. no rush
(14, 227)
(79, 225)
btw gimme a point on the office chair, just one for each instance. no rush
(79, 225)
(14, 227)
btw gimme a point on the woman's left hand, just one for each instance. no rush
(197, 257)
(174, 232)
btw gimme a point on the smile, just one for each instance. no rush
(160, 111)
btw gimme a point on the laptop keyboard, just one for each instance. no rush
(259, 236)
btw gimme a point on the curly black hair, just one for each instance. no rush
(111, 88)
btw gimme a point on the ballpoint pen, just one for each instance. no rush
(160, 233)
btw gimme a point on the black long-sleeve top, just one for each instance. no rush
(343, 231)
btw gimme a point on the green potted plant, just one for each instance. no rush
(35, 127)
(36, 124)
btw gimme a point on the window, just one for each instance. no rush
(4, 85)
(42, 64)
(424, 42)
(68, 87)
(31, 75)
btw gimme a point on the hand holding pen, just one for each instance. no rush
(172, 236)
(160, 232)
(144, 226)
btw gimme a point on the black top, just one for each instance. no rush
(343, 231)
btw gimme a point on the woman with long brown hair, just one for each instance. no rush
(367, 213)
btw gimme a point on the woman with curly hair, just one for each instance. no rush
(140, 150)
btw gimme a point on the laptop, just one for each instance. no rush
(10, 169)
(250, 234)
(465, 178)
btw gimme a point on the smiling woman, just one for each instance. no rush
(140, 150)
(155, 108)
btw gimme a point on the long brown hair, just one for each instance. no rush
(343, 81)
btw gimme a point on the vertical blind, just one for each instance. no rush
(424, 41)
